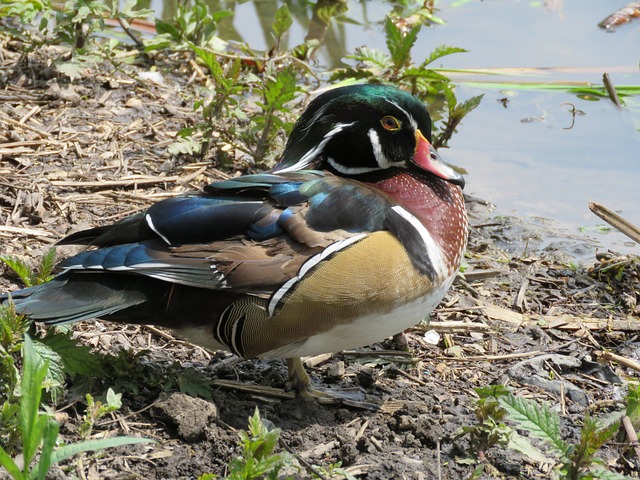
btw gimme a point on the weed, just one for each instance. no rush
(40, 430)
(490, 429)
(76, 23)
(258, 459)
(31, 277)
(576, 461)
(194, 25)
(96, 410)
(250, 127)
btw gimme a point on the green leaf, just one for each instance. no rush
(54, 378)
(75, 358)
(114, 400)
(538, 419)
(33, 373)
(282, 22)
(633, 402)
(281, 90)
(127, 11)
(20, 268)
(441, 51)
(167, 28)
(399, 43)
(604, 474)
(10, 466)
(371, 57)
(523, 445)
(193, 383)
(49, 441)
(592, 437)
(494, 391)
(68, 451)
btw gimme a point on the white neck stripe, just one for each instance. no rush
(434, 251)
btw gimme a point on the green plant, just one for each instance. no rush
(40, 430)
(577, 461)
(490, 430)
(193, 24)
(251, 123)
(96, 410)
(12, 330)
(258, 459)
(75, 23)
(31, 277)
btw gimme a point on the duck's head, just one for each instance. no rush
(361, 129)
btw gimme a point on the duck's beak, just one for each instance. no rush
(428, 159)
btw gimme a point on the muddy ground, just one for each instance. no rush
(84, 154)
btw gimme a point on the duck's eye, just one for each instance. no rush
(390, 123)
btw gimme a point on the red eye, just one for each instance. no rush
(390, 123)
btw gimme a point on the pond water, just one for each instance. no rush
(529, 156)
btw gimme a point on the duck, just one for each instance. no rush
(354, 236)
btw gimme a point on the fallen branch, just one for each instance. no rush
(560, 322)
(612, 357)
(631, 433)
(616, 221)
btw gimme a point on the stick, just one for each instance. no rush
(611, 90)
(631, 433)
(625, 362)
(616, 221)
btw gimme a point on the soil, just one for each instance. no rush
(80, 154)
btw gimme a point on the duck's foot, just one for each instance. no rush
(299, 382)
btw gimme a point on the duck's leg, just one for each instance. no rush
(299, 381)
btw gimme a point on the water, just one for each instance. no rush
(531, 159)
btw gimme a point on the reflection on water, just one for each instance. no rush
(530, 168)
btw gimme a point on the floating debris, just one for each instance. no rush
(620, 17)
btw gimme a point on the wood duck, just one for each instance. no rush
(356, 235)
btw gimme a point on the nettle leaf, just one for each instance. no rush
(470, 104)
(20, 268)
(282, 89)
(399, 43)
(76, 358)
(372, 56)
(633, 401)
(441, 51)
(46, 266)
(351, 73)
(593, 436)
(194, 383)
(210, 60)
(537, 418)
(282, 21)
(54, 378)
(494, 391)
(523, 445)
(421, 72)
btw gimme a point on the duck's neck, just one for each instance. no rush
(436, 203)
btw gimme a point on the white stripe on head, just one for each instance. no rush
(308, 157)
(434, 251)
(412, 120)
